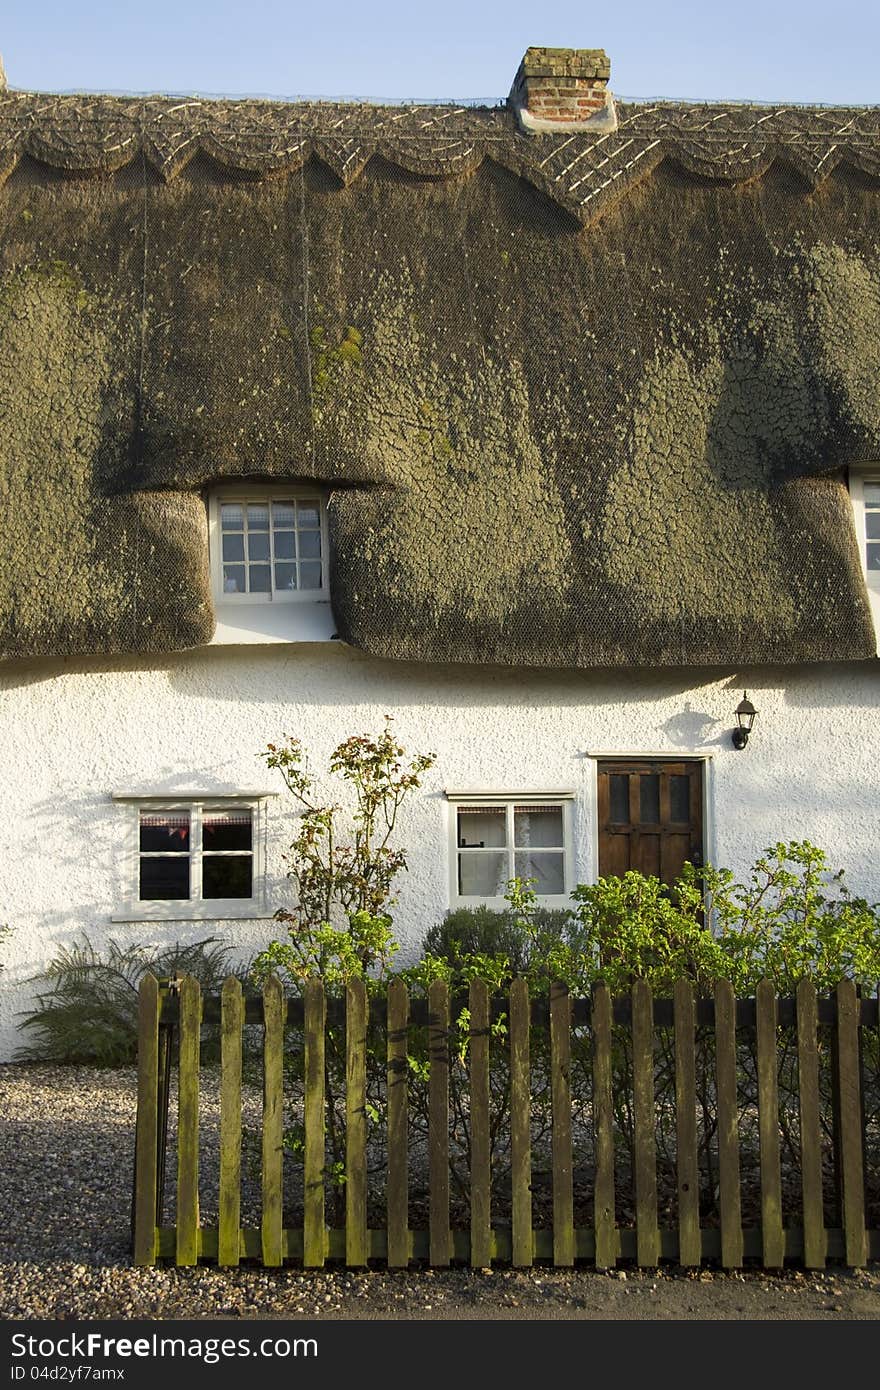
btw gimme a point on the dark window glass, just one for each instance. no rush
(259, 579)
(649, 798)
(872, 524)
(229, 876)
(165, 832)
(164, 878)
(680, 798)
(258, 545)
(230, 830)
(619, 797)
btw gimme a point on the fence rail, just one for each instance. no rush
(836, 1035)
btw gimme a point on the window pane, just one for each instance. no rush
(537, 825)
(165, 832)
(259, 579)
(258, 518)
(310, 545)
(482, 875)
(233, 547)
(872, 524)
(285, 576)
(482, 827)
(227, 830)
(619, 797)
(228, 877)
(872, 493)
(309, 514)
(649, 798)
(231, 518)
(285, 545)
(546, 867)
(258, 545)
(164, 878)
(873, 549)
(310, 574)
(680, 798)
(283, 514)
(233, 579)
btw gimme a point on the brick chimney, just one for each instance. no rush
(558, 89)
(2, 76)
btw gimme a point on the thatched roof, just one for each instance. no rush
(581, 400)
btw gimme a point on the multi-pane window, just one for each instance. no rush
(871, 494)
(195, 854)
(271, 547)
(496, 841)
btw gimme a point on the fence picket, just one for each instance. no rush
(560, 1108)
(772, 1239)
(147, 1196)
(440, 1236)
(314, 1229)
(687, 1163)
(811, 1138)
(271, 1227)
(520, 1126)
(603, 1131)
(852, 1177)
(481, 1222)
(728, 1136)
(187, 1243)
(397, 1191)
(356, 1248)
(647, 1231)
(231, 1021)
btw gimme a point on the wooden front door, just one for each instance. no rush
(650, 816)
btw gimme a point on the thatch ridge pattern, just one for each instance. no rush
(580, 171)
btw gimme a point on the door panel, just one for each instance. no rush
(650, 816)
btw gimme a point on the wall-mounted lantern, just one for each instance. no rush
(746, 715)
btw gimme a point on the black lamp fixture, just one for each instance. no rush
(746, 715)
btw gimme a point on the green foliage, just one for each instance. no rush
(483, 931)
(792, 918)
(343, 866)
(87, 1010)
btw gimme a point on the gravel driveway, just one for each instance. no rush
(66, 1141)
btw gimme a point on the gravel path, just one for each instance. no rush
(66, 1143)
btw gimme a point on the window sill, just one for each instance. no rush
(219, 911)
(242, 623)
(556, 902)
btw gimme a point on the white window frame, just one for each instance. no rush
(865, 473)
(193, 909)
(264, 494)
(563, 799)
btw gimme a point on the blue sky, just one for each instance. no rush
(770, 50)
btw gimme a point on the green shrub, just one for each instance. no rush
(485, 931)
(87, 1010)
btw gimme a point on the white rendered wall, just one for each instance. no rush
(73, 732)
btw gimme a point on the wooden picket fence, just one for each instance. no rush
(846, 1015)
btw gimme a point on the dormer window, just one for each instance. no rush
(271, 547)
(269, 563)
(864, 490)
(871, 496)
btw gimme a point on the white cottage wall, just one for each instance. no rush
(72, 732)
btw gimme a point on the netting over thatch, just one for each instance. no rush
(559, 425)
